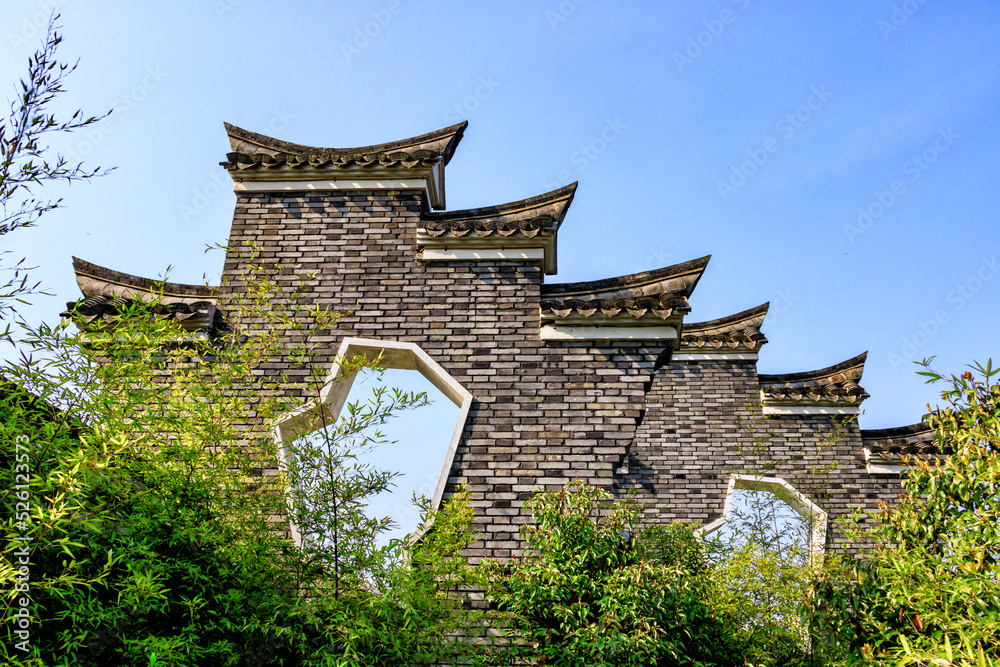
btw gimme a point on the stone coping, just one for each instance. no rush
(663, 294)
(107, 291)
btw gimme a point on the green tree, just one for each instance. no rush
(143, 528)
(27, 163)
(762, 572)
(155, 529)
(927, 587)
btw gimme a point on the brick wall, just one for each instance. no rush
(545, 412)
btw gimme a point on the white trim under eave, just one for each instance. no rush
(478, 254)
(714, 356)
(881, 466)
(557, 332)
(810, 410)
(329, 185)
(796, 409)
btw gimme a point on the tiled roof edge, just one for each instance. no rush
(853, 364)
(451, 135)
(565, 193)
(757, 312)
(896, 432)
(694, 266)
(103, 274)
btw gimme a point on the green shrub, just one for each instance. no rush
(582, 594)
(927, 588)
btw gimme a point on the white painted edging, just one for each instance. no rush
(464, 254)
(797, 501)
(571, 332)
(878, 465)
(714, 356)
(405, 356)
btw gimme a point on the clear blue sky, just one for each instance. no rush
(751, 131)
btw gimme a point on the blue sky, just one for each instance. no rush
(838, 159)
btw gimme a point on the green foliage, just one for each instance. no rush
(583, 595)
(762, 574)
(157, 514)
(928, 587)
(26, 161)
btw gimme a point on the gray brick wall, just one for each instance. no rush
(544, 412)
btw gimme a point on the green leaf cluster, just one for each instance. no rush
(927, 587)
(583, 592)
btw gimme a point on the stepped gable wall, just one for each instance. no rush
(603, 381)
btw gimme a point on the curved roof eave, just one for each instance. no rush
(557, 200)
(752, 316)
(443, 142)
(850, 369)
(691, 270)
(95, 280)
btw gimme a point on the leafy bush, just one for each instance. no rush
(582, 594)
(928, 585)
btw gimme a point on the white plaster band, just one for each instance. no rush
(714, 356)
(880, 465)
(810, 410)
(554, 332)
(325, 186)
(485, 254)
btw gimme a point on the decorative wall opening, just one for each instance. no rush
(407, 368)
(770, 511)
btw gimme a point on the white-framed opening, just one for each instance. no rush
(333, 397)
(807, 509)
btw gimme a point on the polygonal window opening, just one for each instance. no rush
(424, 452)
(771, 513)
(415, 444)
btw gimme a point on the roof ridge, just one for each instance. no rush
(632, 280)
(449, 136)
(743, 316)
(104, 274)
(537, 201)
(857, 362)
(896, 431)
